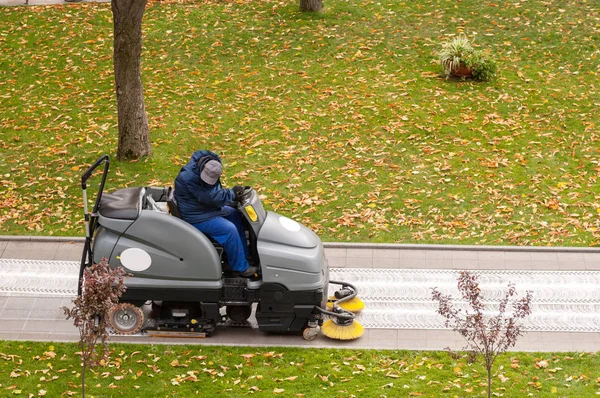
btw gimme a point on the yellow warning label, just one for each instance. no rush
(251, 213)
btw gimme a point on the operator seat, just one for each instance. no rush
(174, 210)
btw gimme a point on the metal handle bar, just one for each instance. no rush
(103, 159)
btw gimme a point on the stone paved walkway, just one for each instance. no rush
(39, 317)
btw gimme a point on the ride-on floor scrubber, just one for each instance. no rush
(183, 276)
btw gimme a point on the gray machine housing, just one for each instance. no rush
(183, 267)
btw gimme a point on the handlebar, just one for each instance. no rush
(103, 159)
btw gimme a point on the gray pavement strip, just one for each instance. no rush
(567, 301)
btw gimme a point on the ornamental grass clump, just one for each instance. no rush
(460, 59)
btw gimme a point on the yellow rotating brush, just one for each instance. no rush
(342, 329)
(355, 304)
(341, 308)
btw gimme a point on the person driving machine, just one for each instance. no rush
(203, 202)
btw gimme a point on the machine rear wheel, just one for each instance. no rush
(239, 313)
(126, 318)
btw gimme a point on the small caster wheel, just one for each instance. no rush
(310, 334)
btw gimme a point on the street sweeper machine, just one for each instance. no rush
(180, 281)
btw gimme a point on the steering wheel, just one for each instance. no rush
(246, 192)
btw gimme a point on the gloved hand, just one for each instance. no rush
(238, 190)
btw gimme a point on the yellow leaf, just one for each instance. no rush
(554, 390)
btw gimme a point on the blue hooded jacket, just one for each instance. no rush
(197, 200)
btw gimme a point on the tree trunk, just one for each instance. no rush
(311, 5)
(134, 133)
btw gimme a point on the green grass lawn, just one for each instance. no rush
(53, 369)
(341, 119)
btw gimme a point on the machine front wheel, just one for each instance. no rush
(310, 334)
(126, 318)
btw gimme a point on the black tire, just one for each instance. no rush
(239, 313)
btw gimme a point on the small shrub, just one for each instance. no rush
(482, 64)
(102, 287)
(486, 335)
(459, 52)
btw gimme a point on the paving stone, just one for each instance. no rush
(62, 326)
(383, 334)
(64, 337)
(411, 263)
(438, 255)
(61, 255)
(41, 254)
(412, 334)
(335, 252)
(492, 264)
(491, 256)
(49, 303)
(382, 344)
(587, 338)
(442, 345)
(517, 256)
(359, 262)
(440, 335)
(20, 303)
(386, 263)
(14, 314)
(48, 314)
(19, 245)
(432, 263)
(3, 301)
(359, 253)
(411, 344)
(337, 262)
(465, 264)
(571, 265)
(591, 259)
(10, 326)
(568, 256)
(518, 264)
(464, 255)
(537, 346)
(413, 253)
(558, 346)
(592, 266)
(386, 253)
(545, 265)
(17, 254)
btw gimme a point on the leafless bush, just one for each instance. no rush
(486, 335)
(102, 287)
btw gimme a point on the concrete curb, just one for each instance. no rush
(350, 245)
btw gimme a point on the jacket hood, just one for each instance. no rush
(198, 155)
